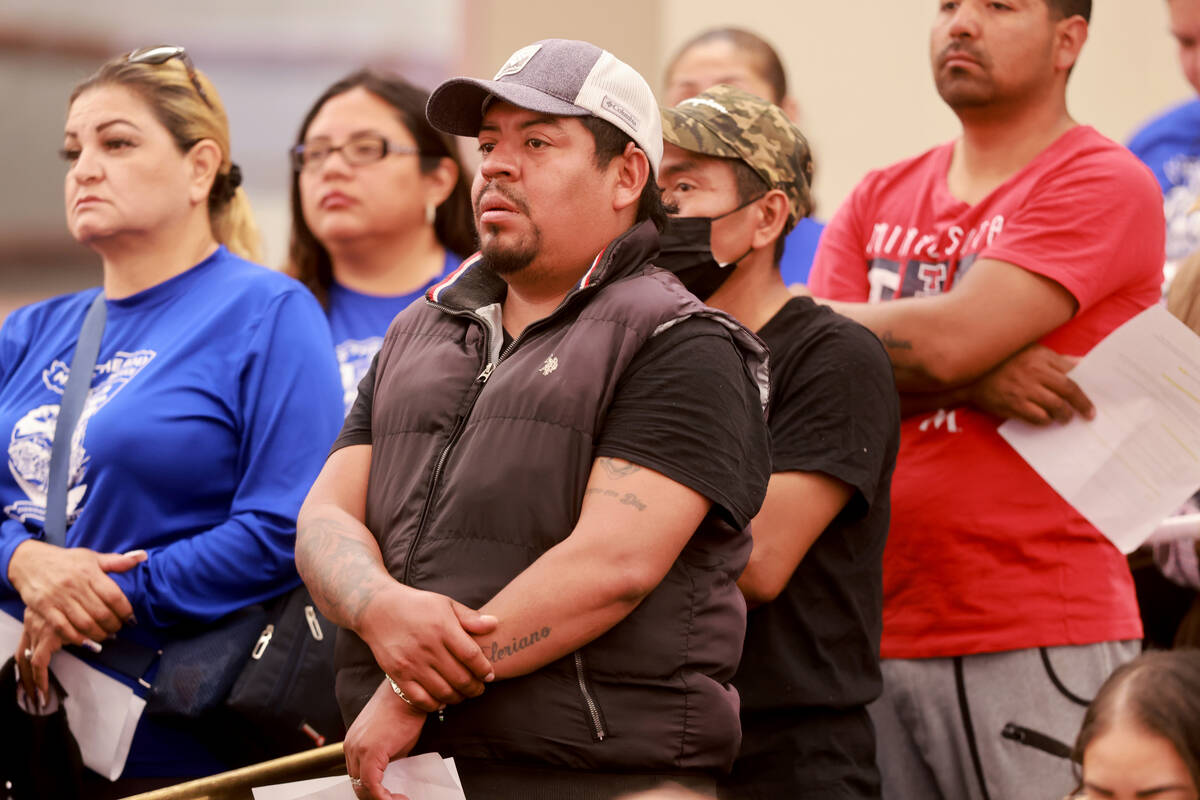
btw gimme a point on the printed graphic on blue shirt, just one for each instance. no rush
(33, 435)
(354, 358)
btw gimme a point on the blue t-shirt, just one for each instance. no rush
(1170, 146)
(359, 321)
(799, 249)
(213, 403)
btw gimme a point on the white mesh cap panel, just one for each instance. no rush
(616, 93)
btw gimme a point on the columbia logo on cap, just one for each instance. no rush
(608, 104)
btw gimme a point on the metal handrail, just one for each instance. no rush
(236, 784)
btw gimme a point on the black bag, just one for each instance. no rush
(256, 684)
(199, 667)
(39, 758)
(285, 691)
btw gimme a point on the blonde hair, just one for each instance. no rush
(1183, 298)
(168, 90)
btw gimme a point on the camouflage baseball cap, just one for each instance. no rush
(728, 122)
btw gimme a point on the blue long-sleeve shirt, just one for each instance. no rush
(214, 401)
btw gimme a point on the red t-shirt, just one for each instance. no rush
(982, 554)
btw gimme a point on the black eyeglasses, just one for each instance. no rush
(365, 148)
(164, 53)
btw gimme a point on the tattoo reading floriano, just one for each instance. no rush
(617, 468)
(500, 652)
(628, 499)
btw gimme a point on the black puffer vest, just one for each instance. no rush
(479, 465)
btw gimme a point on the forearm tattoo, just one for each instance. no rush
(341, 571)
(892, 343)
(502, 651)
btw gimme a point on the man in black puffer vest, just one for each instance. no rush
(563, 438)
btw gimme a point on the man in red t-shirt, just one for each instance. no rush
(1000, 256)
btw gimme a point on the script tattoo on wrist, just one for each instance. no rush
(892, 343)
(340, 569)
(501, 652)
(617, 468)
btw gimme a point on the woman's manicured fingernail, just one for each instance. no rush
(142, 554)
(93, 646)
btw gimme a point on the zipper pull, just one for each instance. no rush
(260, 646)
(314, 626)
(487, 373)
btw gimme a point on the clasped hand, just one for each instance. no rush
(69, 599)
(422, 640)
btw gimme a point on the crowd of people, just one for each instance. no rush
(644, 477)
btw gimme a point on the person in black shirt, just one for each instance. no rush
(531, 553)
(734, 166)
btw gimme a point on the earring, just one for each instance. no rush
(430, 213)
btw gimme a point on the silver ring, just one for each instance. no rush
(28, 653)
(356, 782)
(399, 692)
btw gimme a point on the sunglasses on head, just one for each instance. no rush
(164, 53)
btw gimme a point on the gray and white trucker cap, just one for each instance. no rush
(562, 77)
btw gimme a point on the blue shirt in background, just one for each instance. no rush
(799, 249)
(359, 321)
(1170, 146)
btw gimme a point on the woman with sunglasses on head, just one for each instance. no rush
(213, 399)
(381, 210)
(1141, 735)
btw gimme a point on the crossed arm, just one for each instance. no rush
(977, 344)
(633, 524)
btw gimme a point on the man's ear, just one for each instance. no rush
(633, 171)
(770, 219)
(203, 162)
(790, 108)
(1071, 32)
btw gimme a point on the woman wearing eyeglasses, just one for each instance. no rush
(213, 399)
(380, 210)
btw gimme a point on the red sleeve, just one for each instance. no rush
(839, 270)
(1093, 224)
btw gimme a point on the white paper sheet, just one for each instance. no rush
(1139, 459)
(424, 777)
(101, 711)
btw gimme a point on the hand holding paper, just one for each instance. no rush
(387, 727)
(423, 777)
(1139, 459)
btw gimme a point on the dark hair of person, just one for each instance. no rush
(769, 66)
(610, 143)
(1070, 8)
(1160, 692)
(454, 224)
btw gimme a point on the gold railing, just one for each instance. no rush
(236, 784)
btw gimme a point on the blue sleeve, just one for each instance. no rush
(13, 341)
(290, 400)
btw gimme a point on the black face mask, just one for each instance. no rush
(685, 248)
